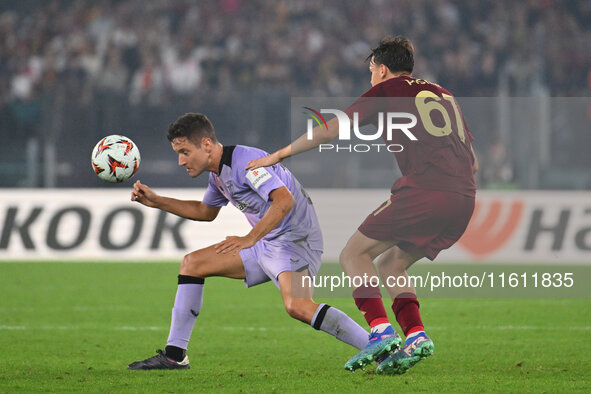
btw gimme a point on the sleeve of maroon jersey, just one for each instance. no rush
(366, 106)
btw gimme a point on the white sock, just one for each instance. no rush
(414, 334)
(338, 324)
(187, 305)
(380, 328)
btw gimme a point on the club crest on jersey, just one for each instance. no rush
(258, 176)
(230, 187)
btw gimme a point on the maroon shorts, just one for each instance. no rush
(426, 221)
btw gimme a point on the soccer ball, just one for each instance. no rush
(115, 158)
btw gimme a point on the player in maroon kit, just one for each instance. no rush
(429, 207)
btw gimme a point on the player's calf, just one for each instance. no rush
(321, 317)
(301, 309)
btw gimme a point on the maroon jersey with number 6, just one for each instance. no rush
(441, 157)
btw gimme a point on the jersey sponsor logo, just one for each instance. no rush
(241, 205)
(258, 176)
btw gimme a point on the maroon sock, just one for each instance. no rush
(406, 310)
(369, 301)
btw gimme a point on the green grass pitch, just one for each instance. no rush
(67, 327)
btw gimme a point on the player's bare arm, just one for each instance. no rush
(194, 210)
(302, 144)
(280, 207)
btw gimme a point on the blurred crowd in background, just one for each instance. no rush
(150, 54)
(151, 49)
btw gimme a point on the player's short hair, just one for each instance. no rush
(396, 53)
(193, 126)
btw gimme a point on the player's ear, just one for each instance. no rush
(206, 144)
(383, 70)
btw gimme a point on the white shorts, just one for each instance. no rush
(268, 258)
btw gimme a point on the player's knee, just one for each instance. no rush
(193, 265)
(393, 266)
(296, 309)
(345, 254)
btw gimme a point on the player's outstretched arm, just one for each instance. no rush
(302, 144)
(194, 210)
(282, 203)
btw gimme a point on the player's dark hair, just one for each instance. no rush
(396, 53)
(193, 126)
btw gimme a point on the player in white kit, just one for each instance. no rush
(284, 245)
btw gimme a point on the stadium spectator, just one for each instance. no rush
(531, 39)
(166, 51)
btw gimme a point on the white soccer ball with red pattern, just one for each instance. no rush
(115, 158)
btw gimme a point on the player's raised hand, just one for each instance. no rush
(263, 161)
(143, 194)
